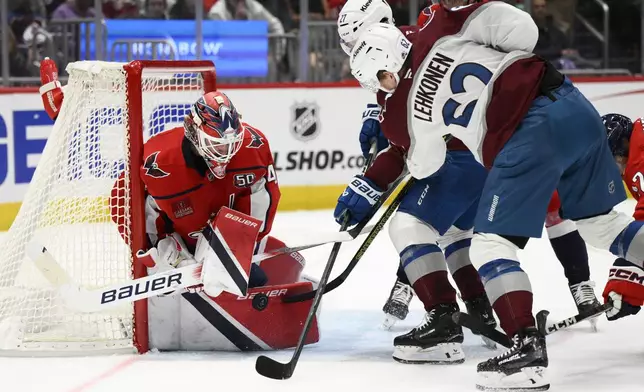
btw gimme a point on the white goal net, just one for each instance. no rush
(108, 111)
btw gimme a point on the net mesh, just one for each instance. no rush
(66, 209)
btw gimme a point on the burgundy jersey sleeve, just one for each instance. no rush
(262, 197)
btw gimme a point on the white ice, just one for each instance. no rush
(354, 354)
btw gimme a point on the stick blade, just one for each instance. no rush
(270, 368)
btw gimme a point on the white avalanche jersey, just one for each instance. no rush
(474, 77)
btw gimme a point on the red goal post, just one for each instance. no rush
(108, 112)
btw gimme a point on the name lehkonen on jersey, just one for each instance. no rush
(429, 82)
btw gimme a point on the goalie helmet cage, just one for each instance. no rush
(92, 223)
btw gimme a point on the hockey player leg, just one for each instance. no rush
(571, 252)
(456, 246)
(508, 287)
(437, 339)
(397, 306)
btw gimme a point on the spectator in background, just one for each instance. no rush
(245, 10)
(155, 9)
(318, 10)
(552, 44)
(182, 9)
(74, 9)
(120, 9)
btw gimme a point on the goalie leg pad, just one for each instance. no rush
(281, 269)
(225, 247)
(260, 320)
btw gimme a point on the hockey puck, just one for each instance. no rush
(260, 301)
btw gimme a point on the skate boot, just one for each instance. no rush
(521, 368)
(480, 307)
(585, 299)
(436, 340)
(397, 306)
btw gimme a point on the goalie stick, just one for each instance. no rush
(82, 300)
(476, 325)
(271, 368)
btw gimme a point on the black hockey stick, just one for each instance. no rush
(477, 326)
(338, 280)
(269, 367)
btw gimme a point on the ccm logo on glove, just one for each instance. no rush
(363, 189)
(625, 274)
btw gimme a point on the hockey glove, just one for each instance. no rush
(50, 90)
(170, 252)
(357, 200)
(371, 130)
(625, 288)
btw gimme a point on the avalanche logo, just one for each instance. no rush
(152, 168)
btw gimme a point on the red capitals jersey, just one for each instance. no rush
(393, 121)
(634, 172)
(182, 194)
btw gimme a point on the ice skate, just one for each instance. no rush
(480, 307)
(585, 299)
(397, 306)
(436, 340)
(521, 368)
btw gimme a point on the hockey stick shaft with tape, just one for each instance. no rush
(269, 367)
(476, 325)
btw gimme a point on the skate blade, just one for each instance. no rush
(528, 379)
(444, 354)
(489, 343)
(593, 324)
(389, 322)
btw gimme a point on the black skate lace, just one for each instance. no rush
(427, 320)
(515, 344)
(402, 293)
(583, 292)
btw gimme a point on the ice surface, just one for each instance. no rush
(354, 354)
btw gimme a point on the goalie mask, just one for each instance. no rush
(358, 15)
(214, 129)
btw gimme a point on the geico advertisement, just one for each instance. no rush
(313, 132)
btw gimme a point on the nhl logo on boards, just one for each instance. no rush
(182, 208)
(305, 123)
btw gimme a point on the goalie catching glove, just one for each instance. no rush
(625, 288)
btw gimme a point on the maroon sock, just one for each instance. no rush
(434, 289)
(515, 311)
(468, 282)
